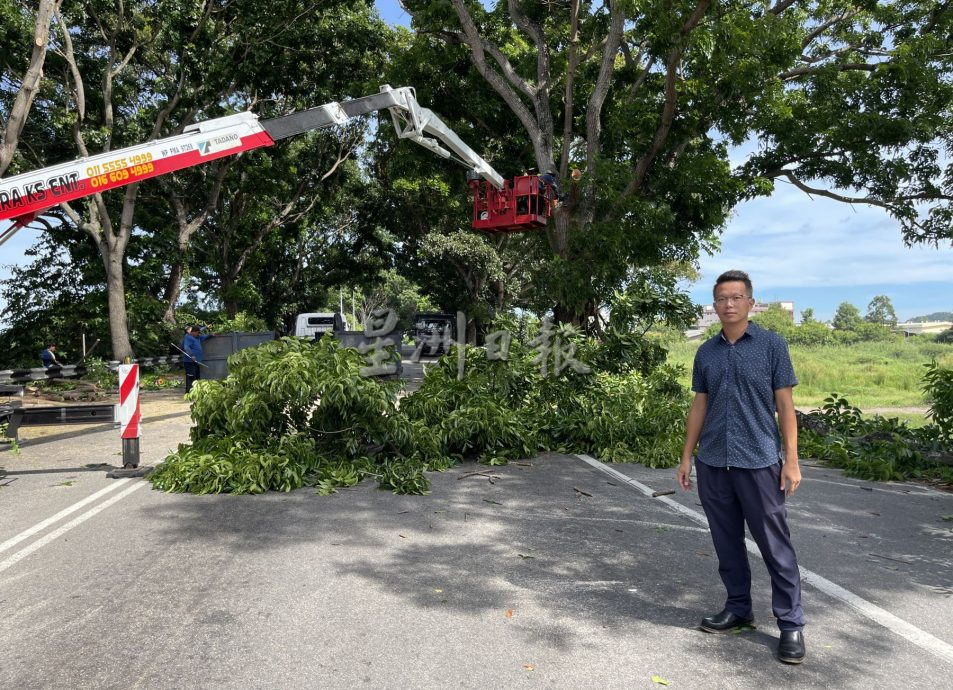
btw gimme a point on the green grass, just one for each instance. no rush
(869, 375)
(913, 420)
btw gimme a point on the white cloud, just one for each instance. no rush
(790, 240)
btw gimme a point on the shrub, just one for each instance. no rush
(938, 387)
(775, 319)
(874, 332)
(811, 333)
(880, 449)
(98, 372)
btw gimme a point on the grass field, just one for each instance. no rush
(870, 375)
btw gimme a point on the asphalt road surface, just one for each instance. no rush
(552, 572)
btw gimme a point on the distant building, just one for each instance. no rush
(922, 327)
(709, 316)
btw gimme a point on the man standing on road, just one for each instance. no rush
(192, 357)
(742, 377)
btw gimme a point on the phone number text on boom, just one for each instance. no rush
(121, 175)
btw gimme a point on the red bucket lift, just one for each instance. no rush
(524, 205)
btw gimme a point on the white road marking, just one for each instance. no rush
(919, 637)
(55, 534)
(40, 526)
(916, 491)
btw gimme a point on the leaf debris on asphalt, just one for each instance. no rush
(580, 491)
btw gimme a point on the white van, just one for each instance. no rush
(317, 324)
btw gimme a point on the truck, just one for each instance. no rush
(432, 331)
(316, 324)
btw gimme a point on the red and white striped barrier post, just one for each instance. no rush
(129, 415)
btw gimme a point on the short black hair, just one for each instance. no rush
(734, 276)
(49, 345)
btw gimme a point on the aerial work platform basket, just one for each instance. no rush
(526, 204)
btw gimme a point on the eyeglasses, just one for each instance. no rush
(733, 299)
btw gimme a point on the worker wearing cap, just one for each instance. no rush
(192, 354)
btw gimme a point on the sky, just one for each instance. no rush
(819, 253)
(814, 252)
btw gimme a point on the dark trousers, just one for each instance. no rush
(192, 374)
(732, 497)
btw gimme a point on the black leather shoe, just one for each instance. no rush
(791, 647)
(724, 622)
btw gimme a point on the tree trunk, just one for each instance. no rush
(116, 296)
(565, 314)
(558, 234)
(228, 298)
(187, 228)
(31, 82)
(172, 290)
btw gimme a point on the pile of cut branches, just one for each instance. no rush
(295, 413)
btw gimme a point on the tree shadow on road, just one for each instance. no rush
(563, 553)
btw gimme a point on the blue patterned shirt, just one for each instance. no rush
(740, 379)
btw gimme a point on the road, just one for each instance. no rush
(554, 572)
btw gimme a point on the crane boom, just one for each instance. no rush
(24, 197)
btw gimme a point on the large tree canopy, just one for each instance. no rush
(842, 98)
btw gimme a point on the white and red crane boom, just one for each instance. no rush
(24, 197)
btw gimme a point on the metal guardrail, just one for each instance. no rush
(67, 371)
(17, 416)
(148, 361)
(41, 373)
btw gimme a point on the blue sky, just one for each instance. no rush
(817, 253)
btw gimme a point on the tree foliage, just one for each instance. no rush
(847, 317)
(776, 319)
(846, 99)
(297, 413)
(880, 448)
(121, 74)
(880, 310)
